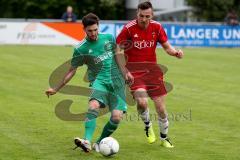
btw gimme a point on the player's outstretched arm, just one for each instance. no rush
(68, 76)
(120, 59)
(171, 50)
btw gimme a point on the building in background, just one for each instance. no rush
(164, 10)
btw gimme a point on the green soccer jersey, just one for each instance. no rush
(98, 56)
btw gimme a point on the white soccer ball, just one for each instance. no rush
(108, 146)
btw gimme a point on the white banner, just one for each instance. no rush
(33, 33)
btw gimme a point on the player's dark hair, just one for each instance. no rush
(90, 19)
(145, 5)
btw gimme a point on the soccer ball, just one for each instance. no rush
(108, 146)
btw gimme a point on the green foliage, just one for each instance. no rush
(213, 10)
(105, 9)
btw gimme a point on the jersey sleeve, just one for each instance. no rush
(77, 59)
(123, 36)
(162, 36)
(112, 39)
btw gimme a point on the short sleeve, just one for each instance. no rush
(111, 45)
(112, 39)
(77, 59)
(123, 36)
(162, 36)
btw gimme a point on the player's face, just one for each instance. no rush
(92, 32)
(144, 17)
(69, 9)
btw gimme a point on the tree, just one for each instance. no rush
(213, 10)
(105, 9)
(53, 9)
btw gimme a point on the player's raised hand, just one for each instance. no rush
(50, 92)
(129, 78)
(179, 53)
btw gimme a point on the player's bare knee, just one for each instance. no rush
(117, 116)
(116, 119)
(142, 103)
(94, 104)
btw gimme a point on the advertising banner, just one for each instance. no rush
(186, 35)
(60, 33)
(40, 33)
(203, 35)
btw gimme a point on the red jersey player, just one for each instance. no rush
(137, 41)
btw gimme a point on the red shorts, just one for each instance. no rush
(148, 76)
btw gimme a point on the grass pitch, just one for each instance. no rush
(203, 108)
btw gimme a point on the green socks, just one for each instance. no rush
(108, 129)
(90, 124)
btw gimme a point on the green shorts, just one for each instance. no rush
(110, 94)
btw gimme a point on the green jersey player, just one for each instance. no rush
(97, 52)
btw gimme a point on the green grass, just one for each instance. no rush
(206, 83)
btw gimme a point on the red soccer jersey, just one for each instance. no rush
(141, 43)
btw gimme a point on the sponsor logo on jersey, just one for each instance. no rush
(143, 44)
(103, 57)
